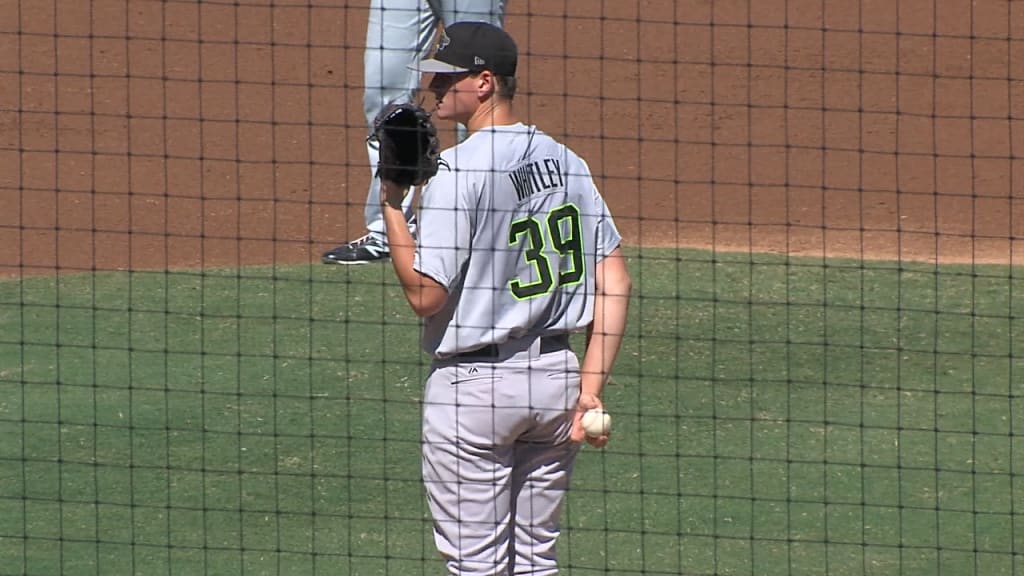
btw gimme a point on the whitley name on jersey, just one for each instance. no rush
(535, 177)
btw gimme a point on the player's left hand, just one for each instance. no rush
(586, 402)
(407, 144)
(392, 193)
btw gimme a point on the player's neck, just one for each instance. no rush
(492, 113)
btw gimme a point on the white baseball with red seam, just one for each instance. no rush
(596, 422)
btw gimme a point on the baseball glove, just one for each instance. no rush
(410, 152)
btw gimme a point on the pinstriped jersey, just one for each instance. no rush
(514, 230)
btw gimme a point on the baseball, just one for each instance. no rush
(596, 422)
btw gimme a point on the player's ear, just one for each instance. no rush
(486, 84)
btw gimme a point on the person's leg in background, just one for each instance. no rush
(492, 11)
(399, 33)
(397, 36)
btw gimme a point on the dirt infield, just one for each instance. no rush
(147, 134)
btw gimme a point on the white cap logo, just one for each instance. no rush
(443, 41)
(478, 61)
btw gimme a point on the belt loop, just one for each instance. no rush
(535, 348)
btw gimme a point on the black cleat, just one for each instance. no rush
(360, 251)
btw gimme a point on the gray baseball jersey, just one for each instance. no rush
(514, 232)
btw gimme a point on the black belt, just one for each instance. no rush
(492, 351)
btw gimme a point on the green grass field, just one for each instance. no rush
(773, 416)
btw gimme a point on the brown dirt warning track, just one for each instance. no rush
(139, 134)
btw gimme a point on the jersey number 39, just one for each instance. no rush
(564, 260)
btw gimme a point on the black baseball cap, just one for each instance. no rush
(472, 47)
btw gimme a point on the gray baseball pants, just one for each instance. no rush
(497, 458)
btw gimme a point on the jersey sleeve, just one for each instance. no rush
(444, 228)
(608, 237)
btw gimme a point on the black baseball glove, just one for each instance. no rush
(410, 152)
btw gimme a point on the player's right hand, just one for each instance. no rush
(586, 402)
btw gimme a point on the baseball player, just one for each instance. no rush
(516, 250)
(399, 34)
